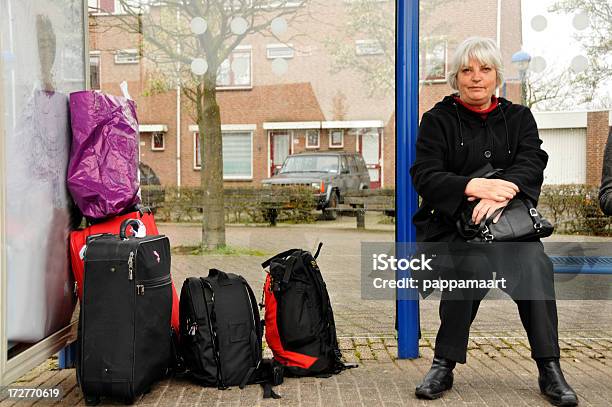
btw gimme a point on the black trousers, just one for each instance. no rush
(530, 278)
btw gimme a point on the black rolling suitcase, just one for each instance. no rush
(124, 325)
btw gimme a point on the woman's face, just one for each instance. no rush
(477, 83)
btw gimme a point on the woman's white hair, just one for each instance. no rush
(481, 49)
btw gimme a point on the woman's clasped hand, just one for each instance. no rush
(493, 194)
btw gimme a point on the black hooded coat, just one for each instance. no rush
(455, 142)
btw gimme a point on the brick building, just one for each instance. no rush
(266, 116)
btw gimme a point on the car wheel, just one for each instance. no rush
(329, 212)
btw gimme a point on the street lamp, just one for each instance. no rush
(521, 61)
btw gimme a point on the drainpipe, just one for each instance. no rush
(178, 109)
(178, 136)
(498, 34)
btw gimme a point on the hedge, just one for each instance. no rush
(242, 205)
(573, 209)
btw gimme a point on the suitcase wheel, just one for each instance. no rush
(92, 400)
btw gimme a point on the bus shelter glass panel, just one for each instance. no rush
(234, 89)
(42, 62)
(557, 61)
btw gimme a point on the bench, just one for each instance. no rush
(373, 200)
(582, 264)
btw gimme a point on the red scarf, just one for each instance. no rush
(482, 113)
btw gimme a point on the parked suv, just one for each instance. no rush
(151, 192)
(330, 174)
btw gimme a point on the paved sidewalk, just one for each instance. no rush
(499, 371)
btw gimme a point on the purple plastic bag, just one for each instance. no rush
(103, 167)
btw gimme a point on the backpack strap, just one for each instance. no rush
(268, 373)
(289, 268)
(206, 281)
(339, 366)
(268, 392)
(318, 250)
(255, 347)
(278, 256)
(248, 376)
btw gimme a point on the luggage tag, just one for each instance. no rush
(141, 231)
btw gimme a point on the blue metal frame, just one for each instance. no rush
(582, 264)
(67, 356)
(407, 113)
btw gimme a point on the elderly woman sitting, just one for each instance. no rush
(462, 134)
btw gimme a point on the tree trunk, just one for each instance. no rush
(211, 158)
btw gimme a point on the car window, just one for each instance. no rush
(343, 164)
(147, 175)
(361, 164)
(352, 164)
(310, 163)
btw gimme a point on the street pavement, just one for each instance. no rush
(498, 372)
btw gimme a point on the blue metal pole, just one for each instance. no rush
(407, 112)
(67, 356)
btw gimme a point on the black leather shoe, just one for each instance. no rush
(437, 380)
(553, 384)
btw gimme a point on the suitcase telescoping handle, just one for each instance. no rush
(134, 223)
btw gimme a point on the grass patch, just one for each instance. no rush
(221, 251)
(387, 220)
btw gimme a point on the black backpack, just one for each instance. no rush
(221, 333)
(300, 327)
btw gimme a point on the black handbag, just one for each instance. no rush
(519, 221)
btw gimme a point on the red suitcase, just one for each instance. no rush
(78, 239)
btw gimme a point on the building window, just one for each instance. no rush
(336, 139)
(433, 59)
(127, 56)
(368, 47)
(279, 51)
(101, 6)
(197, 162)
(237, 155)
(94, 70)
(312, 139)
(158, 141)
(235, 71)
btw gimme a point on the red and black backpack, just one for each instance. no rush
(299, 320)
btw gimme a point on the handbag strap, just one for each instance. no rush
(484, 230)
(534, 214)
(492, 173)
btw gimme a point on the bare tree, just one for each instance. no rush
(376, 66)
(548, 90)
(593, 84)
(188, 41)
(376, 21)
